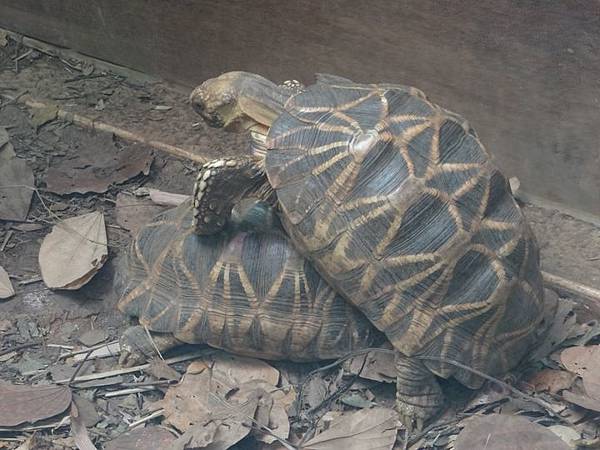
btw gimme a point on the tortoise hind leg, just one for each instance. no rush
(221, 184)
(419, 396)
(136, 347)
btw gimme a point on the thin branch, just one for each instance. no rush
(92, 124)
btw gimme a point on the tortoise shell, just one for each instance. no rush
(400, 208)
(247, 292)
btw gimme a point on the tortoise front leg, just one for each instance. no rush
(419, 396)
(221, 184)
(136, 347)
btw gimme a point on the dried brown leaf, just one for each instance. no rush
(585, 401)
(567, 434)
(98, 164)
(149, 438)
(278, 423)
(93, 337)
(367, 429)
(162, 371)
(375, 366)
(585, 362)
(505, 432)
(272, 408)
(21, 404)
(241, 369)
(42, 116)
(16, 185)
(79, 431)
(562, 325)
(6, 288)
(553, 381)
(134, 212)
(74, 251)
(315, 392)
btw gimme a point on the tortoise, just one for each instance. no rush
(246, 291)
(400, 208)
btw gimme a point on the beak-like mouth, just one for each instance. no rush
(212, 118)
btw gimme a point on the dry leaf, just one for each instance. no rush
(6, 288)
(97, 165)
(562, 325)
(377, 367)
(195, 399)
(21, 404)
(74, 251)
(27, 226)
(16, 185)
(149, 438)
(217, 400)
(279, 401)
(162, 371)
(279, 424)
(42, 116)
(93, 337)
(166, 198)
(504, 432)
(585, 401)
(585, 362)
(134, 212)
(79, 431)
(567, 434)
(240, 369)
(315, 391)
(367, 429)
(197, 406)
(553, 381)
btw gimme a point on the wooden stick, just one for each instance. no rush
(92, 124)
(561, 284)
(166, 198)
(112, 373)
(129, 391)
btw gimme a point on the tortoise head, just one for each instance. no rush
(239, 102)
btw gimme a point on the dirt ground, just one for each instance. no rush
(37, 316)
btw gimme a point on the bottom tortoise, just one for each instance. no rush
(246, 291)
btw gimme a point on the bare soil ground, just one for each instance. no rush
(37, 316)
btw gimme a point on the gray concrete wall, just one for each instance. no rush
(524, 72)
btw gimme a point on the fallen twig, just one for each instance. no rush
(79, 367)
(130, 391)
(9, 234)
(571, 287)
(92, 124)
(147, 418)
(125, 370)
(85, 350)
(20, 347)
(30, 281)
(105, 351)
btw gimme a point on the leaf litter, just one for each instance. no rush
(273, 405)
(16, 183)
(74, 251)
(507, 432)
(98, 164)
(25, 404)
(6, 287)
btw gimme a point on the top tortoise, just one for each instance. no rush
(398, 205)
